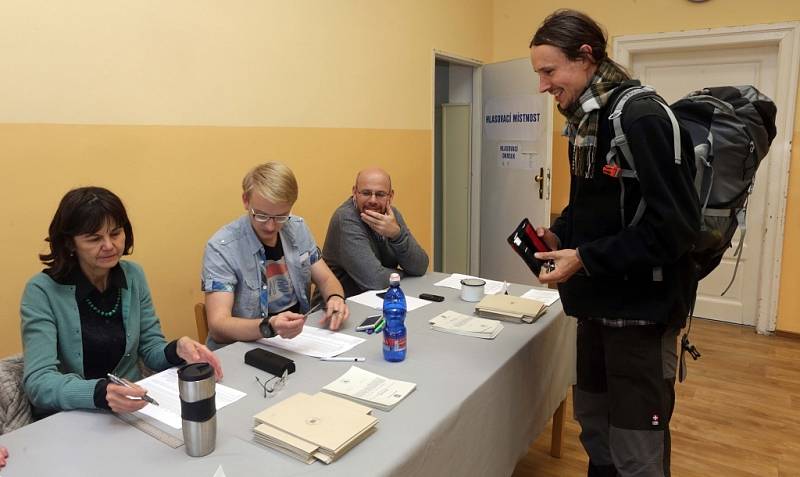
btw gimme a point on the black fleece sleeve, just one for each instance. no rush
(559, 226)
(671, 221)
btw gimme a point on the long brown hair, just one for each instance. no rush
(82, 211)
(568, 30)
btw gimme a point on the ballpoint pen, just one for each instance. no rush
(357, 359)
(312, 310)
(127, 384)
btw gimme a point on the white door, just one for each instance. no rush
(674, 75)
(515, 151)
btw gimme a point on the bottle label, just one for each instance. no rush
(394, 344)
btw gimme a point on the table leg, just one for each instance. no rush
(558, 427)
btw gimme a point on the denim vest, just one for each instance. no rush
(234, 260)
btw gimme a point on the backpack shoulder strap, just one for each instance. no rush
(676, 131)
(619, 142)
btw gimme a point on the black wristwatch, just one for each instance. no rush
(266, 329)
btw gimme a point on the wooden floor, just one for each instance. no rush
(737, 414)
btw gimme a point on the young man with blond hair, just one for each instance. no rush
(258, 268)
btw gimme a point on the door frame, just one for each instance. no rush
(475, 159)
(786, 36)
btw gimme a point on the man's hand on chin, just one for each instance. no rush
(384, 225)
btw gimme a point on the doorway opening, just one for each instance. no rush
(456, 206)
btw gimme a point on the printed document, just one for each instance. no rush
(370, 389)
(371, 299)
(315, 342)
(544, 295)
(492, 287)
(163, 387)
(466, 325)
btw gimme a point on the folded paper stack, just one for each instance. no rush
(314, 427)
(510, 308)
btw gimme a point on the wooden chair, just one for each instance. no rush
(201, 320)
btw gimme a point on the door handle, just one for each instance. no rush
(548, 185)
(540, 179)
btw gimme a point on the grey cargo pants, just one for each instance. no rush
(624, 397)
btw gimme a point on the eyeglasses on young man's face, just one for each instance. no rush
(366, 194)
(264, 218)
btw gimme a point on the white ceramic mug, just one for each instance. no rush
(472, 289)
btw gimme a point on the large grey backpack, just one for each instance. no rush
(731, 128)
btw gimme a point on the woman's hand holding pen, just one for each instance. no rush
(122, 399)
(193, 352)
(123, 396)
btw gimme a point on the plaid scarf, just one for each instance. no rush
(583, 117)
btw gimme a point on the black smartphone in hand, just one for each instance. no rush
(526, 243)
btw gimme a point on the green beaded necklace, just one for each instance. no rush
(111, 312)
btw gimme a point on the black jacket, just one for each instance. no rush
(619, 260)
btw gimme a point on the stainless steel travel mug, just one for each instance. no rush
(196, 385)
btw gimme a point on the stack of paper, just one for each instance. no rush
(510, 308)
(460, 324)
(163, 387)
(315, 342)
(317, 427)
(370, 389)
(544, 295)
(454, 281)
(371, 299)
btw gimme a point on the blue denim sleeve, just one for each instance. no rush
(314, 256)
(218, 273)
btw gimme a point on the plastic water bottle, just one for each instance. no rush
(394, 312)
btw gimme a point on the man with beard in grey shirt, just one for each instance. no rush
(368, 239)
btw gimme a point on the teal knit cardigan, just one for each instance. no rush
(53, 344)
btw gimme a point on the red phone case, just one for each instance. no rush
(526, 243)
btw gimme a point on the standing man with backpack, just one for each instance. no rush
(630, 286)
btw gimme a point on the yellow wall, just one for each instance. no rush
(516, 20)
(169, 103)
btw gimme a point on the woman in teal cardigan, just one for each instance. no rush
(89, 313)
